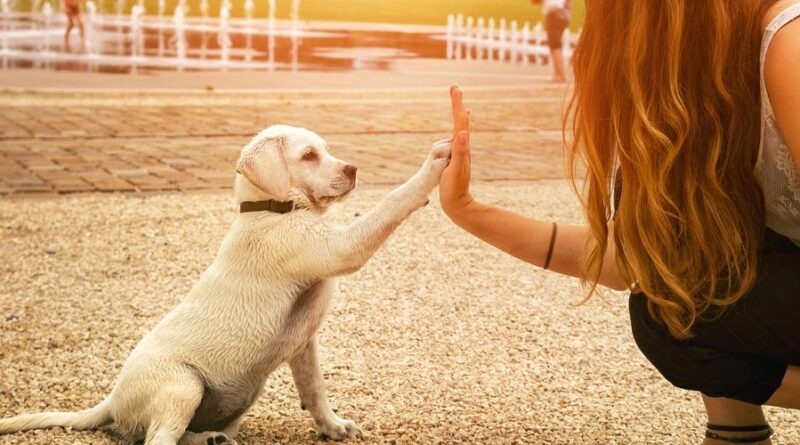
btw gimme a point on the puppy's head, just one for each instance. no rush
(289, 163)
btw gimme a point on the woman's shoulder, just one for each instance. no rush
(781, 63)
(775, 10)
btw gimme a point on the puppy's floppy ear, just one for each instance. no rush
(264, 165)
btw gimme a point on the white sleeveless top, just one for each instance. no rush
(775, 168)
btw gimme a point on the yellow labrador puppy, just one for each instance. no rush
(258, 305)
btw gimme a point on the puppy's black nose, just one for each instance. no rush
(350, 171)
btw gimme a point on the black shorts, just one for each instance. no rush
(555, 24)
(743, 354)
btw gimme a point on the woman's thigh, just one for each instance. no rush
(741, 354)
(765, 322)
(713, 372)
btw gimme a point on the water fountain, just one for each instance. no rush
(450, 36)
(295, 17)
(161, 7)
(248, 10)
(223, 39)
(137, 42)
(92, 47)
(120, 7)
(203, 35)
(47, 11)
(91, 19)
(34, 7)
(5, 10)
(121, 37)
(179, 22)
(271, 34)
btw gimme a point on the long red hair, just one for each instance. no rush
(667, 94)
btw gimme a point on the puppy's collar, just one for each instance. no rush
(268, 206)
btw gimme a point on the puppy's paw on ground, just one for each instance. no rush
(206, 438)
(220, 440)
(338, 429)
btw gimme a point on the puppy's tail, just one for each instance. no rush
(80, 420)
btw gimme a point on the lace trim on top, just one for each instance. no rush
(775, 168)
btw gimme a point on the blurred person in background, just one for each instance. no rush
(557, 15)
(684, 147)
(73, 10)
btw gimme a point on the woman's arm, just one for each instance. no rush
(782, 76)
(525, 238)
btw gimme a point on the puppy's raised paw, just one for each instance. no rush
(441, 149)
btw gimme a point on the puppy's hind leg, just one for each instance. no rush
(172, 409)
(224, 437)
(311, 386)
(232, 430)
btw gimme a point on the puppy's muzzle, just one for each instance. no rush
(346, 181)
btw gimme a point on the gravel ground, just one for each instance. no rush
(439, 339)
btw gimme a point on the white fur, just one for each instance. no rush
(257, 306)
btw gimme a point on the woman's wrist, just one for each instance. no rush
(461, 211)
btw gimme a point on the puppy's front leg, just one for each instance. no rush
(311, 386)
(363, 237)
(334, 252)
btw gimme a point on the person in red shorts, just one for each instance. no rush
(557, 15)
(73, 11)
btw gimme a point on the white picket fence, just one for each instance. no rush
(471, 39)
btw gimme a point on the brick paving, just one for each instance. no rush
(123, 142)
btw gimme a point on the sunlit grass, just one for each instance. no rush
(428, 12)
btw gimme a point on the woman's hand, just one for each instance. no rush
(525, 238)
(454, 186)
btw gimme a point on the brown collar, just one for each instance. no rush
(268, 206)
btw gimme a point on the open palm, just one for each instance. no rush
(454, 186)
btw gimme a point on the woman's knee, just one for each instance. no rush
(671, 359)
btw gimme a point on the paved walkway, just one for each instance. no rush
(116, 141)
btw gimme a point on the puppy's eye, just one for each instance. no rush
(310, 155)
